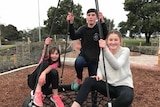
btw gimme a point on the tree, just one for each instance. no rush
(9, 32)
(33, 34)
(110, 23)
(123, 26)
(60, 24)
(143, 17)
(1, 30)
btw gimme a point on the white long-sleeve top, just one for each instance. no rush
(117, 67)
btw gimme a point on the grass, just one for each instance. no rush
(137, 42)
(134, 42)
(4, 47)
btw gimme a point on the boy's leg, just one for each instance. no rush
(92, 68)
(80, 63)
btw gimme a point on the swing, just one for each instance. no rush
(94, 97)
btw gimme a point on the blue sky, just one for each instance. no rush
(24, 13)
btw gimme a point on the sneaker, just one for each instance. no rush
(76, 84)
(109, 104)
(32, 95)
(57, 100)
(38, 97)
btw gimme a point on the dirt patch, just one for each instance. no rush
(14, 89)
(135, 54)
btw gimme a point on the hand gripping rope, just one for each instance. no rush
(29, 101)
(47, 45)
(101, 36)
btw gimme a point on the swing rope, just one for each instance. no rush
(53, 20)
(64, 89)
(45, 51)
(101, 37)
(65, 51)
(72, 94)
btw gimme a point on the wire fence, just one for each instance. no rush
(26, 54)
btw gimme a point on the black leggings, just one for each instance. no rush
(123, 94)
(52, 78)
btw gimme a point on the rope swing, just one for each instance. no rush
(65, 89)
(101, 37)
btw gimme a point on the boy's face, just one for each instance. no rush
(91, 18)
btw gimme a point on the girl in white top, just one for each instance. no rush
(119, 76)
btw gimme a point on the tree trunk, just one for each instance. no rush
(147, 38)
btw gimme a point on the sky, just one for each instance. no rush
(25, 14)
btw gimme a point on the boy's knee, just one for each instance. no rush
(80, 60)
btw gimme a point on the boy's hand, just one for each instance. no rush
(70, 18)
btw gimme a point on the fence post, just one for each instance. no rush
(140, 44)
(159, 57)
(15, 60)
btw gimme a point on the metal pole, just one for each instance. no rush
(39, 28)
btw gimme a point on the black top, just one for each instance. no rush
(89, 40)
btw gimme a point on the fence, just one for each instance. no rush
(147, 50)
(25, 54)
(29, 53)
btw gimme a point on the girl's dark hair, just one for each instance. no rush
(52, 50)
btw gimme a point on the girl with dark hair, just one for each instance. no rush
(48, 76)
